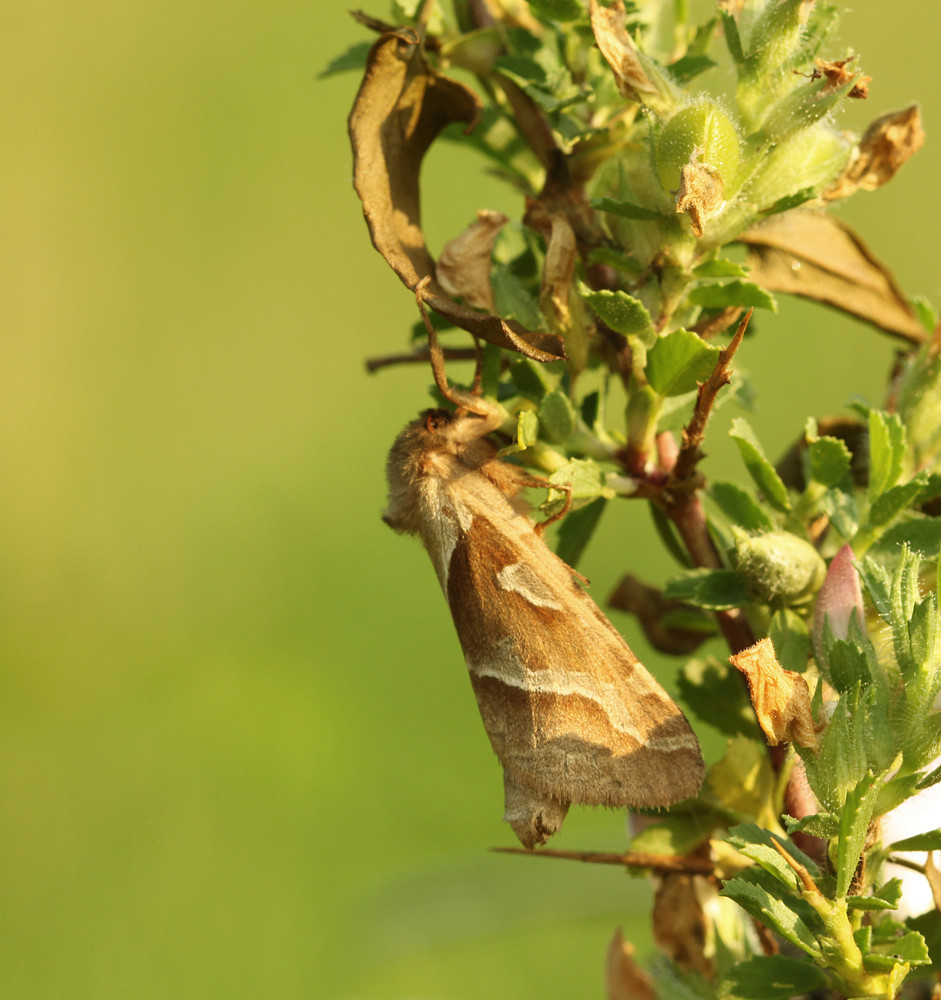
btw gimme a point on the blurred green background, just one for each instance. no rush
(240, 757)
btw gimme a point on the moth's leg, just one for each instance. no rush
(473, 402)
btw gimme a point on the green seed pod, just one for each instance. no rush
(778, 566)
(703, 133)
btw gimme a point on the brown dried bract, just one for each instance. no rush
(780, 698)
(401, 108)
(889, 142)
(463, 267)
(819, 257)
(700, 194)
(624, 979)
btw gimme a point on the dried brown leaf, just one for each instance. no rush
(558, 272)
(401, 107)
(780, 698)
(463, 266)
(608, 25)
(680, 925)
(933, 874)
(819, 257)
(889, 142)
(624, 978)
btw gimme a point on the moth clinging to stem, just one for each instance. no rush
(570, 711)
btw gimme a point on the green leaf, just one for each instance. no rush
(577, 529)
(713, 589)
(788, 632)
(761, 470)
(840, 506)
(920, 534)
(714, 692)
(887, 898)
(620, 260)
(926, 313)
(732, 293)
(854, 827)
(557, 10)
(773, 977)
(740, 506)
(690, 66)
(895, 500)
(678, 362)
(532, 380)
(584, 479)
(625, 209)
(527, 429)
(623, 313)
(719, 267)
(743, 838)
(772, 912)
(790, 201)
(930, 841)
(822, 825)
(829, 460)
(677, 834)
(886, 451)
(556, 416)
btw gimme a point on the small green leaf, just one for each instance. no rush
(790, 201)
(556, 416)
(585, 479)
(623, 313)
(713, 589)
(822, 825)
(921, 534)
(625, 209)
(840, 506)
(773, 977)
(620, 260)
(854, 826)
(533, 380)
(829, 460)
(740, 507)
(678, 362)
(772, 912)
(886, 451)
(930, 841)
(926, 313)
(761, 470)
(719, 267)
(886, 898)
(896, 499)
(732, 293)
(527, 429)
(690, 66)
(577, 529)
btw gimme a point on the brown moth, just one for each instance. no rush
(570, 711)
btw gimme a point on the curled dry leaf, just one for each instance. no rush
(624, 978)
(401, 107)
(780, 697)
(817, 256)
(464, 263)
(619, 52)
(558, 272)
(933, 874)
(699, 194)
(889, 142)
(681, 924)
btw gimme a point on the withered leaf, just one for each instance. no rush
(889, 142)
(401, 108)
(608, 25)
(464, 262)
(780, 697)
(624, 978)
(819, 257)
(680, 925)
(699, 194)
(558, 272)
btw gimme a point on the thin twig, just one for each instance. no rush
(420, 356)
(695, 430)
(630, 859)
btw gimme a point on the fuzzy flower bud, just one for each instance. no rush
(778, 566)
